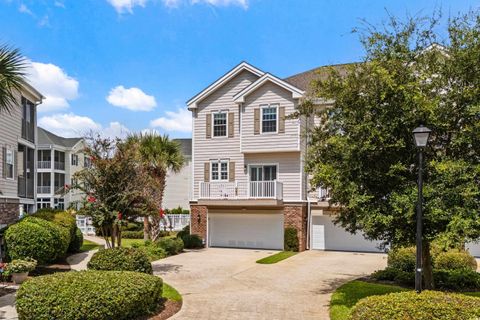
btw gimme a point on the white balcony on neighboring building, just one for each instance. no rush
(253, 190)
(59, 165)
(44, 189)
(44, 164)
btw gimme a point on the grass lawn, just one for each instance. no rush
(277, 257)
(89, 245)
(170, 293)
(473, 294)
(127, 243)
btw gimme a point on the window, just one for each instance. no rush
(87, 162)
(220, 170)
(74, 160)
(220, 124)
(9, 164)
(269, 119)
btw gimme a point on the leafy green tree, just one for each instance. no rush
(363, 149)
(12, 76)
(156, 155)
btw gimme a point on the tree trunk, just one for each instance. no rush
(146, 228)
(427, 266)
(113, 234)
(119, 237)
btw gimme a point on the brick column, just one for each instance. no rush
(8, 212)
(296, 216)
(199, 229)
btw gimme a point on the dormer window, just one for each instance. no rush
(269, 118)
(220, 124)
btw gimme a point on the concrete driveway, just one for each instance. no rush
(227, 283)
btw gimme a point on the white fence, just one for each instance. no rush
(241, 190)
(175, 222)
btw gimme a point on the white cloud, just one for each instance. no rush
(122, 6)
(57, 86)
(180, 121)
(216, 3)
(59, 4)
(132, 99)
(71, 125)
(24, 9)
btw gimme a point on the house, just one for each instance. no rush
(178, 183)
(18, 137)
(58, 159)
(248, 177)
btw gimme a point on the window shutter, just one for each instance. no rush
(209, 126)
(206, 172)
(256, 121)
(231, 126)
(281, 120)
(4, 162)
(231, 171)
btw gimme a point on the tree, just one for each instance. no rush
(363, 149)
(12, 76)
(157, 155)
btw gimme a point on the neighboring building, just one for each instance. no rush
(248, 178)
(178, 184)
(58, 159)
(17, 157)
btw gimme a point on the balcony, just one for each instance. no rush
(44, 164)
(43, 189)
(59, 165)
(254, 190)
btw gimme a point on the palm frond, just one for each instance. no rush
(12, 76)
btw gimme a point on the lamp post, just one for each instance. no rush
(421, 135)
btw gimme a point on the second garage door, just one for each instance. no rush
(327, 236)
(249, 230)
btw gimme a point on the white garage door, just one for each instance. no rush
(250, 230)
(474, 249)
(327, 236)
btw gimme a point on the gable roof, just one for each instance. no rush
(267, 77)
(45, 137)
(192, 103)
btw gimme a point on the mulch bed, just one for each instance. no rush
(4, 291)
(170, 307)
(60, 266)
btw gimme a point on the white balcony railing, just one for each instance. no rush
(59, 165)
(44, 164)
(241, 190)
(323, 194)
(43, 189)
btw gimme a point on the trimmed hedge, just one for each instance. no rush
(402, 259)
(190, 241)
(36, 238)
(429, 305)
(455, 260)
(120, 259)
(460, 279)
(89, 295)
(132, 234)
(172, 246)
(76, 242)
(290, 239)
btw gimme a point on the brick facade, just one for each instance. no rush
(296, 216)
(197, 228)
(8, 211)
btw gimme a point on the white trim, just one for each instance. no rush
(219, 161)
(269, 106)
(213, 113)
(193, 102)
(296, 93)
(192, 197)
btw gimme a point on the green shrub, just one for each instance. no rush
(89, 295)
(171, 245)
(184, 232)
(133, 226)
(454, 260)
(120, 259)
(402, 259)
(387, 274)
(36, 238)
(21, 266)
(76, 242)
(429, 305)
(153, 252)
(63, 219)
(290, 239)
(457, 280)
(192, 241)
(132, 234)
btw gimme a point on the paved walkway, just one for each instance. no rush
(77, 262)
(228, 284)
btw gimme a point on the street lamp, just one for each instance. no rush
(420, 135)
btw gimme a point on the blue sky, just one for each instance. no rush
(130, 65)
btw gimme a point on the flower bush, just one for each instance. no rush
(20, 266)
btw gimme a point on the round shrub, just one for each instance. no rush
(192, 241)
(76, 242)
(184, 232)
(89, 295)
(290, 239)
(121, 259)
(61, 218)
(429, 305)
(37, 239)
(455, 260)
(171, 245)
(457, 280)
(403, 259)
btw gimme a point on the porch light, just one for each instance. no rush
(199, 218)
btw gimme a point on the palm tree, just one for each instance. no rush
(157, 155)
(12, 76)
